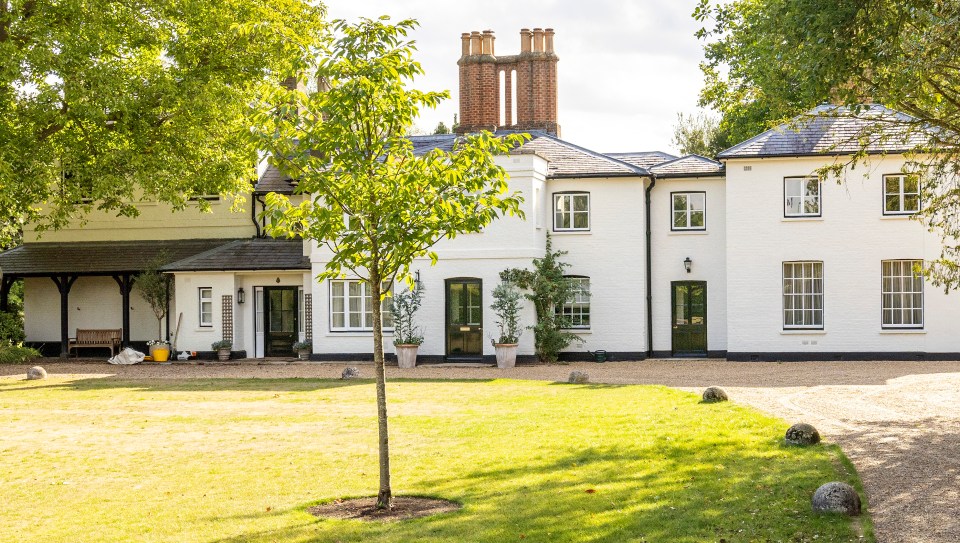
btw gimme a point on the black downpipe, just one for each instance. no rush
(253, 213)
(653, 182)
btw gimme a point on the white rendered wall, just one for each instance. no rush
(194, 337)
(706, 248)
(851, 239)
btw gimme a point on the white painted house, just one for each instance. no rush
(749, 258)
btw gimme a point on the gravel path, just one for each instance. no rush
(899, 422)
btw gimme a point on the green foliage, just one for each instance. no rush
(156, 289)
(106, 103)
(222, 344)
(11, 327)
(441, 129)
(302, 345)
(697, 134)
(768, 60)
(404, 306)
(15, 353)
(506, 306)
(549, 290)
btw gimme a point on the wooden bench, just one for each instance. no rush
(96, 338)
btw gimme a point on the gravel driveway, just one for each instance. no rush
(899, 422)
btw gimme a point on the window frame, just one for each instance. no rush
(801, 295)
(364, 297)
(673, 210)
(903, 294)
(200, 302)
(802, 214)
(553, 211)
(578, 304)
(901, 194)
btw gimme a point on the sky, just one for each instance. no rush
(626, 67)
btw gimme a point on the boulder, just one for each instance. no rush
(802, 434)
(836, 497)
(578, 377)
(36, 372)
(350, 373)
(714, 394)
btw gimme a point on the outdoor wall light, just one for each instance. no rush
(687, 264)
(416, 280)
(241, 295)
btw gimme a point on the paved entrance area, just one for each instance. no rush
(899, 422)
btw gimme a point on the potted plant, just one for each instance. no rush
(406, 335)
(159, 350)
(506, 306)
(223, 349)
(303, 349)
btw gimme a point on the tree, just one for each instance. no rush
(155, 288)
(549, 290)
(441, 129)
(768, 60)
(697, 134)
(104, 103)
(372, 202)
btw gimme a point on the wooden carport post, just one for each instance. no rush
(64, 283)
(125, 282)
(5, 285)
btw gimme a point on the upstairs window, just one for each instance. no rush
(801, 197)
(571, 211)
(689, 211)
(901, 194)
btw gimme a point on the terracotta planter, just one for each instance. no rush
(407, 355)
(223, 354)
(506, 354)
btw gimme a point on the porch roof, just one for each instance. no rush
(98, 257)
(246, 254)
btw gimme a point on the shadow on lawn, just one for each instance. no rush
(589, 496)
(193, 384)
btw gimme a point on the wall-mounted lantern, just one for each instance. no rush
(687, 264)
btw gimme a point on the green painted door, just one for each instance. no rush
(280, 314)
(464, 318)
(689, 318)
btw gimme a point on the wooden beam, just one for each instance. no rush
(64, 283)
(5, 284)
(125, 282)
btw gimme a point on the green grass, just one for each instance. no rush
(241, 460)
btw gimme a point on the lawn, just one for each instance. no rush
(218, 460)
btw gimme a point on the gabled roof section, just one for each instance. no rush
(832, 130)
(247, 254)
(98, 257)
(643, 159)
(689, 166)
(273, 180)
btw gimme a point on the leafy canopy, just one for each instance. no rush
(105, 102)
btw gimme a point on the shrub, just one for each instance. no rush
(11, 327)
(222, 344)
(506, 306)
(302, 345)
(404, 306)
(17, 354)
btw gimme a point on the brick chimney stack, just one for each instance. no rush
(530, 76)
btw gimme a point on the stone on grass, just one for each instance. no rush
(836, 497)
(578, 377)
(802, 434)
(714, 394)
(36, 372)
(350, 373)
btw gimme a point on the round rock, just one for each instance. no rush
(714, 394)
(802, 434)
(836, 497)
(578, 377)
(350, 373)
(36, 372)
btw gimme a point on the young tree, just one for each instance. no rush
(697, 134)
(768, 60)
(104, 103)
(372, 202)
(155, 288)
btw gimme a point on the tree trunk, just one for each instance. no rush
(385, 495)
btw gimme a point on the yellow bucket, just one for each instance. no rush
(161, 355)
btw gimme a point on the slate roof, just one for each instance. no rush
(273, 180)
(247, 254)
(97, 257)
(689, 166)
(830, 130)
(643, 159)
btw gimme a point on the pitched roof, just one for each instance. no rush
(643, 159)
(273, 180)
(97, 257)
(246, 254)
(831, 130)
(689, 166)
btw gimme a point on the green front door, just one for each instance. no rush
(464, 318)
(280, 314)
(689, 300)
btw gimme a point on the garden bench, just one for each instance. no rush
(109, 338)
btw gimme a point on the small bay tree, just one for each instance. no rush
(372, 202)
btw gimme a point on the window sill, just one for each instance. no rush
(356, 333)
(803, 332)
(578, 330)
(802, 219)
(885, 331)
(204, 329)
(571, 232)
(687, 233)
(899, 217)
